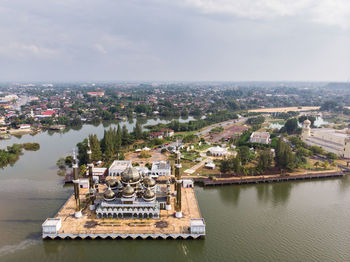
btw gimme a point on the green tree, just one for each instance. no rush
(264, 161)
(316, 164)
(331, 156)
(291, 126)
(325, 164)
(138, 131)
(82, 152)
(96, 153)
(125, 136)
(244, 154)
(284, 156)
(225, 166)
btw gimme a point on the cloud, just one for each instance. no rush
(328, 12)
(100, 49)
(16, 49)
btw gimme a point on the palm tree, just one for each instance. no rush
(317, 164)
(325, 164)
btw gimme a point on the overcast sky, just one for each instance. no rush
(228, 40)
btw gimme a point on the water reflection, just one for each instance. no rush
(281, 192)
(344, 184)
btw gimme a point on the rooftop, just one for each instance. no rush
(160, 165)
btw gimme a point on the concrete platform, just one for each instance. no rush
(166, 227)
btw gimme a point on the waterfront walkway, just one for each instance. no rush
(269, 179)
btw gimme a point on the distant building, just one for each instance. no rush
(260, 137)
(47, 113)
(153, 135)
(167, 132)
(24, 126)
(96, 94)
(160, 168)
(331, 140)
(118, 167)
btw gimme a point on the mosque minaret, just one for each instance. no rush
(178, 182)
(91, 182)
(77, 213)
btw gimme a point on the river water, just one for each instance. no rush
(292, 221)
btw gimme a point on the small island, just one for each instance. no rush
(10, 155)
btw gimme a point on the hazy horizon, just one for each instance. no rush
(182, 41)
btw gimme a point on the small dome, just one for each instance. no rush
(109, 195)
(112, 183)
(149, 182)
(307, 122)
(149, 195)
(130, 175)
(128, 191)
(120, 185)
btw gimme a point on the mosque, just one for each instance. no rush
(131, 205)
(134, 195)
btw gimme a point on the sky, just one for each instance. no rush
(174, 40)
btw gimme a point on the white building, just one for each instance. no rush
(197, 226)
(331, 140)
(210, 165)
(83, 183)
(98, 173)
(51, 225)
(187, 183)
(160, 168)
(118, 166)
(260, 137)
(218, 151)
(24, 127)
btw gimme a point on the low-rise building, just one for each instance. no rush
(98, 173)
(167, 132)
(260, 137)
(218, 151)
(51, 225)
(24, 126)
(331, 140)
(160, 168)
(96, 94)
(118, 166)
(153, 135)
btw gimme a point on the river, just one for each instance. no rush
(292, 221)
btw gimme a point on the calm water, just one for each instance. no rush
(299, 221)
(318, 123)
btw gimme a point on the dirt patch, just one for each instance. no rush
(155, 156)
(229, 132)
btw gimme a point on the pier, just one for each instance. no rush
(269, 179)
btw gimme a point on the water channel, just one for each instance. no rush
(292, 221)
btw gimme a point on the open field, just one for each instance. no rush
(284, 109)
